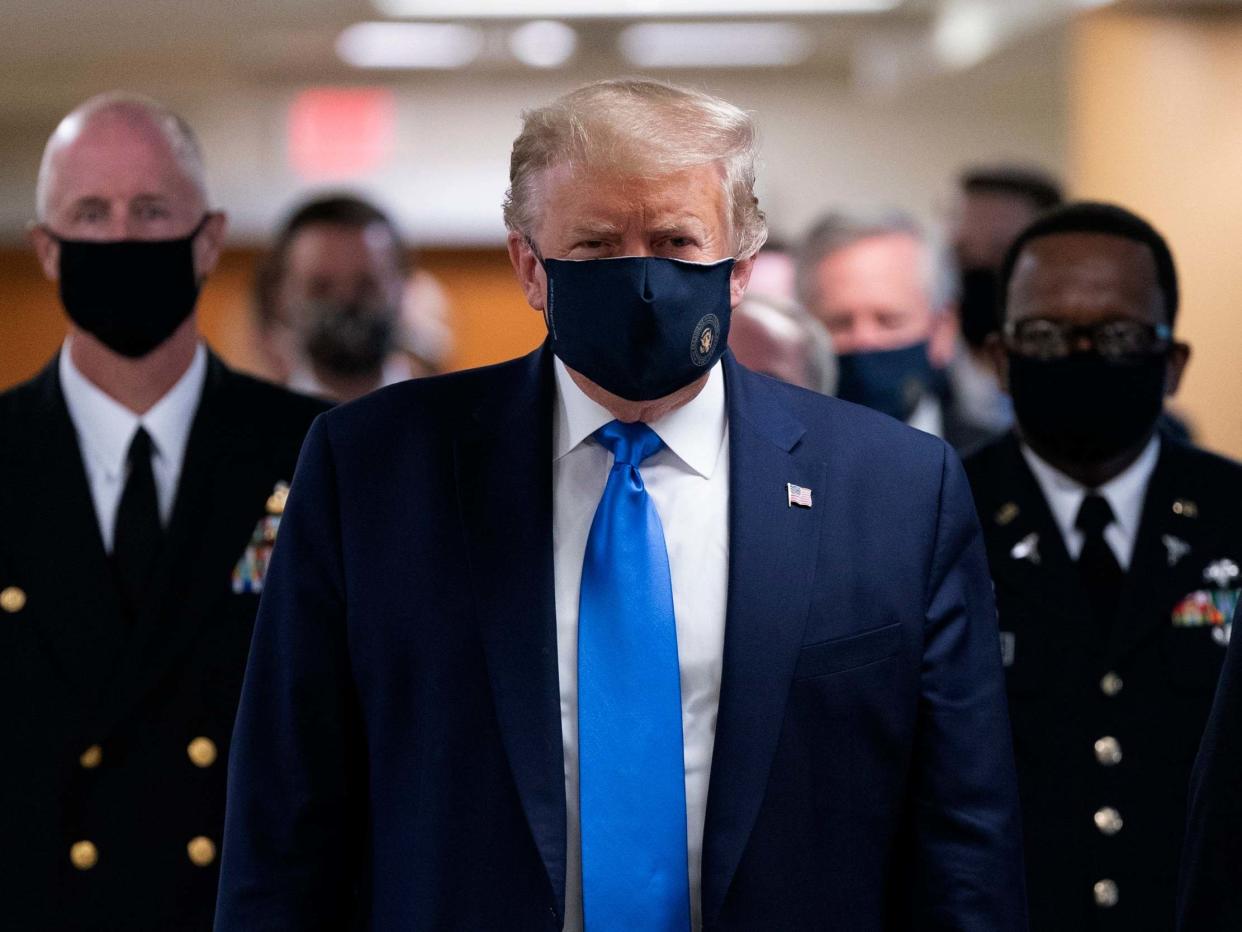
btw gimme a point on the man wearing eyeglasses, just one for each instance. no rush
(1114, 551)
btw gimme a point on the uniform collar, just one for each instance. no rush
(106, 427)
(1124, 492)
(694, 432)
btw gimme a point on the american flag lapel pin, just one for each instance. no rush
(798, 495)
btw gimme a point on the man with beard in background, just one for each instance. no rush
(328, 299)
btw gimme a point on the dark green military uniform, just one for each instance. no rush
(116, 731)
(1107, 721)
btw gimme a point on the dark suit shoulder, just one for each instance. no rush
(833, 425)
(432, 404)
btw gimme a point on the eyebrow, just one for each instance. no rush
(89, 200)
(594, 228)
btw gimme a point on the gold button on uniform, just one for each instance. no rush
(1110, 684)
(202, 850)
(1106, 894)
(84, 855)
(202, 752)
(12, 599)
(1108, 751)
(92, 757)
(1108, 820)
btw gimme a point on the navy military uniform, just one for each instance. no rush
(1106, 720)
(116, 730)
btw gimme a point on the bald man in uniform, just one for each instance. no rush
(141, 487)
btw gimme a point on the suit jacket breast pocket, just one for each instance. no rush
(848, 653)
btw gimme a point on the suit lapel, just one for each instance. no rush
(1037, 582)
(1153, 578)
(504, 469)
(83, 630)
(772, 557)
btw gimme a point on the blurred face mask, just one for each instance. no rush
(639, 327)
(129, 294)
(347, 338)
(889, 381)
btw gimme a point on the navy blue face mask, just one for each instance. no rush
(890, 381)
(639, 327)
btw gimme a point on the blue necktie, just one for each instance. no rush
(631, 768)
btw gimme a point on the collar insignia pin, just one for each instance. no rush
(1176, 547)
(1027, 549)
(1007, 513)
(1186, 508)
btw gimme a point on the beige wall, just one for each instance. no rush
(1155, 122)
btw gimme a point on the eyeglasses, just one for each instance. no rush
(1115, 340)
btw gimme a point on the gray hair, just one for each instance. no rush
(176, 131)
(638, 127)
(839, 230)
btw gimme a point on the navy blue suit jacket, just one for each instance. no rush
(398, 763)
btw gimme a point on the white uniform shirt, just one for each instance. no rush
(105, 429)
(1124, 494)
(688, 480)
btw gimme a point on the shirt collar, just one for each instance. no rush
(1124, 492)
(106, 427)
(694, 432)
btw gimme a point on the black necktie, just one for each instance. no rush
(1097, 564)
(138, 536)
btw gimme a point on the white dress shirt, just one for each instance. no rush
(928, 416)
(688, 480)
(1124, 494)
(105, 429)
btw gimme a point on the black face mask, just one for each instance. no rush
(348, 339)
(639, 327)
(129, 294)
(977, 309)
(1083, 408)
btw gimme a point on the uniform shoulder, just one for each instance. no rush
(1212, 469)
(25, 400)
(272, 405)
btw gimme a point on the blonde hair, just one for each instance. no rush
(638, 127)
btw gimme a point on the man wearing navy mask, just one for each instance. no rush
(141, 486)
(620, 635)
(1115, 551)
(886, 292)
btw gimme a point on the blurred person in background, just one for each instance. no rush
(141, 487)
(783, 341)
(1115, 552)
(886, 293)
(993, 204)
(329, 297)
(425, 333)
(523, 618)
